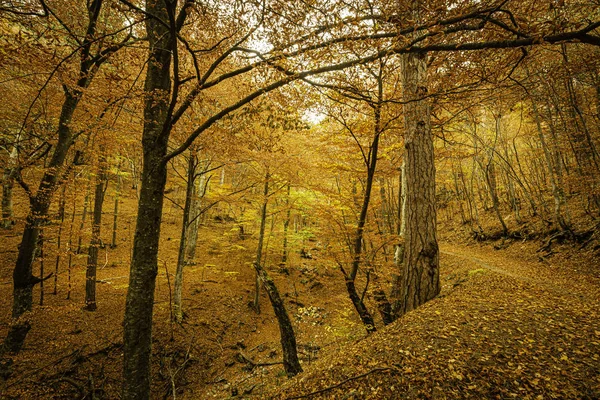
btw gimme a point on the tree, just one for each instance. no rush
(165, 103)
(96, 241)
(92, 57)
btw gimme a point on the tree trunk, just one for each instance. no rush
(286, 224)
(41, 257)
(261, 239)
(371, 164)
(86, 203)
(291, 363)
(557, 191)
(420, 281)
(137, 333)
(185, 225)
(113, 242)
(195, 215)
(90, 274)
(61, 216)
(7, 189)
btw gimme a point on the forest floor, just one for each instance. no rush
(508, 324)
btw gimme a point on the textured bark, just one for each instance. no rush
(137, 333)
(419, 277)
(90, 274)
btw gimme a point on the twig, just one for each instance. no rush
(328, 388)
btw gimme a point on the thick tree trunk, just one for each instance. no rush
(137, 333)
(90, 275)
(419, 277)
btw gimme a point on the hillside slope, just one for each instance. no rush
(502, 328)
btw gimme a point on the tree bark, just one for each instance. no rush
(137, 333)
(420, 273)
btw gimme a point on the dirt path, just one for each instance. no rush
(558, 276)
(505, 326)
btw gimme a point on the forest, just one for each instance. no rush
(269, 199)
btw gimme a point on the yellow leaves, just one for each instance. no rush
(457, 375)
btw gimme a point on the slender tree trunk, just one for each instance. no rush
(286, 224)
(41, 257)
(557, 191)
(195, 215)
(291, 363)
(95, 242)
(185, 227)
(7, 189)
(137, 332)
(371, 164)
(420, 280)
(86, 203)
(61, 216)
(70, 246)
(113, 242)
(261, 238)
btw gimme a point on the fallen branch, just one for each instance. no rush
(337, 385)
(46, 366)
